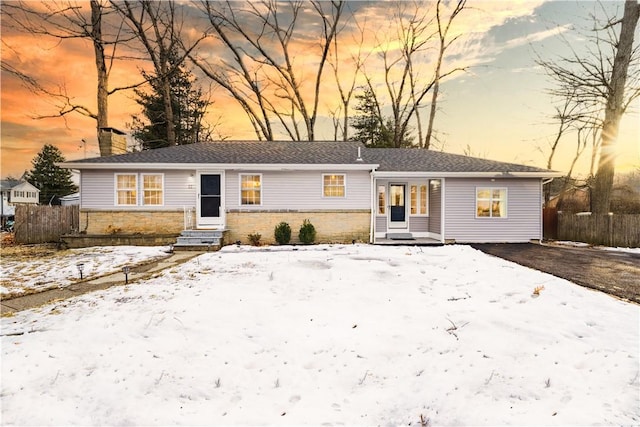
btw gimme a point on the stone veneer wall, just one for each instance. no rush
(331, 226)
(131, 222)
(341, 226)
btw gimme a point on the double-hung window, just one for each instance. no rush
(126, 189)
(491, 202)
(145, 189)
(152, 189)
(250, 189)
(333, 185)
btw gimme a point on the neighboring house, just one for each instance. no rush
(70, 199)
(347, 191)
(14, 193)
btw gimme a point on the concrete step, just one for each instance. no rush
(197, 241)
(202, 233)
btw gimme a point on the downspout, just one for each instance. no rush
(442, 211)
(373, 210)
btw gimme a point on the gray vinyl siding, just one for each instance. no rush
(524, 206)
(435, 208)
(98, 187)
(300, 190)
(381, 223)
(418, 223)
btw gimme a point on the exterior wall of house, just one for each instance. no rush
(286, 196)
(416, 223)
(524, 204)
(103, 221)
(98, 190)
(298, 190)
(331, 226)
(435, 206)
(24, 193)
(292, 197)
(99, 215)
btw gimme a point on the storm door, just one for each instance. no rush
(397, 206)
(210, 206)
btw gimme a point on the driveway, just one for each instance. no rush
(616, 273)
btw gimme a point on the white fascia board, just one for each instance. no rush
(393, 174)
(219, 166)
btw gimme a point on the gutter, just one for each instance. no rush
(220, 166)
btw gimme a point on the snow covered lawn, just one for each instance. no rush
(325, 335)
(24, 273)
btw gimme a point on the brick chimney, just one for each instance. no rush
(112, 141)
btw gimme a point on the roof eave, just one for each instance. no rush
(427, 174)
(220, 166)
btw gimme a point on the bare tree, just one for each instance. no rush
(347, 85)
(157, 27)
(615, 106)
(600, 80)
(64, 21)
(259, 68)
(444, 44)
(413, 31)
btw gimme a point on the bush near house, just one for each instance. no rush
(307, 232)
(282, 233)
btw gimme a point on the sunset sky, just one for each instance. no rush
(499, 109)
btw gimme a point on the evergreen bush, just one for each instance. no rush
(254, 238)
(282, 233)
(307, 232)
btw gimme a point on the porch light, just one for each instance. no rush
(80, 267)
(126, 269)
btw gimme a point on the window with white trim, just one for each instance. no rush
(382, 199)
(333, 185)
(126, 189)
(491, 202)
(250, 189)
(152, 189)
(418, 199)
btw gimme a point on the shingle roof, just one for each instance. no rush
(330, 152)
(239, 152)
(420, 160)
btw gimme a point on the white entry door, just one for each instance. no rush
(398, 206)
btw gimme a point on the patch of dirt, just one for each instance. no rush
(15, 251)
(613, 272)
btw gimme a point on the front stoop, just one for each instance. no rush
(200, 240)
(399, 236)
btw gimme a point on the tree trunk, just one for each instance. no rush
(102, 117)
(614, 108)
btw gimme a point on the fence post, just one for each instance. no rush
(610, 229)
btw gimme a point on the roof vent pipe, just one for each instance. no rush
(359, 159)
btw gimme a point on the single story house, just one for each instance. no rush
(347, 191)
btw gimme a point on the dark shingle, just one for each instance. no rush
(330, 152)
(420, 160)
(268, 152)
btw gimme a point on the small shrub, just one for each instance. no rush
(282, 233)
(255, 238)
(307, 232)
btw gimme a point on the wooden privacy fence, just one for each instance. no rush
(42, 224)
(608, 230)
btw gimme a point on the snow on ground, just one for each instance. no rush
(59, 269)
(589, 245)
(326, 335)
